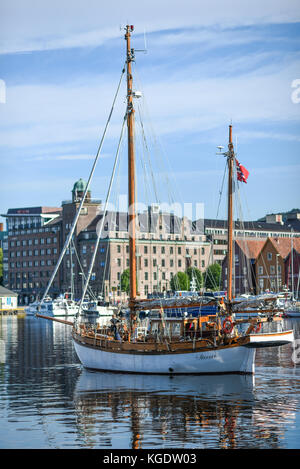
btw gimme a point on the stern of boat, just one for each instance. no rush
(274, 339)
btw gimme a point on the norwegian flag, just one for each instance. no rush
(242, 172)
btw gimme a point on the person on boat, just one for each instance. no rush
(114, 327)
(222, 307)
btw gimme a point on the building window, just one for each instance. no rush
(145, 262)
(145, 249)
(272, 269)
(146, 275)
(260, 270)
(269, 256)
(179, 250)
(118, 248)
(179, 263)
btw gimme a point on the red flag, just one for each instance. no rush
(242, 172)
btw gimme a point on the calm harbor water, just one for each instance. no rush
(49, 401)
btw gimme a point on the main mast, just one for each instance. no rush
(131, 169)
(230, 162)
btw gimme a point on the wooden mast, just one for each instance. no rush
(230, 161)
(131, 170)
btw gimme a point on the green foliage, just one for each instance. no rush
(125, 281)
(213, 276)
(197, 274)
(180, 281)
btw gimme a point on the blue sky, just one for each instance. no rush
(207, 64)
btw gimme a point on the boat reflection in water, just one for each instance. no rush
(178, 411)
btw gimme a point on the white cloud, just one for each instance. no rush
(70, 112)
(58, 24)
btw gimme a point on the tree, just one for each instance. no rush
(192, 272)
(213, 276)
(180, 281)
(125, 281)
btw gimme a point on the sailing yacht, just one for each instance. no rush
(158, 344)
(146, 339)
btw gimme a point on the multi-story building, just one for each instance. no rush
(31, 250)
(216, 232)
(166, 244)
(244, 269)
(263, 265)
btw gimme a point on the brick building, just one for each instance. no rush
(166, 244)
(31, 250)
(216, 232)
(263, 265)
(36, 235)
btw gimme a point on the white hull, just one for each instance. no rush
(65, 311)
(227, 360)
(271, 339)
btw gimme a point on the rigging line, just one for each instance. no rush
(221, 191)
(148, 154)
(81, 268)
(104, 213)
(67, 242)
(157, 144)
(147, 189)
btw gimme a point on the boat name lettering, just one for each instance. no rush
(207, 356)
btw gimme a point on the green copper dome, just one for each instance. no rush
(79, 186)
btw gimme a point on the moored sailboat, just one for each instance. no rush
(165, 345)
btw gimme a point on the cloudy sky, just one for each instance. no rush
(207, 64)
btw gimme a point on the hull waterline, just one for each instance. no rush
(227, 360)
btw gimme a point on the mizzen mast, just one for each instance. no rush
(230, 162)
(131, 169)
